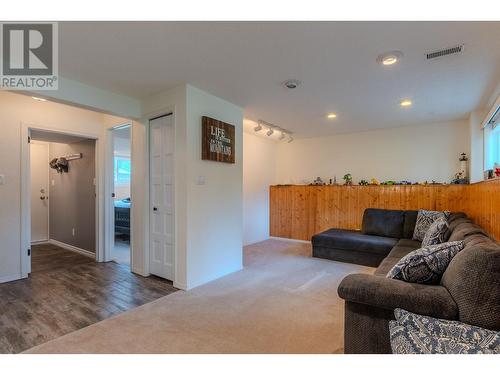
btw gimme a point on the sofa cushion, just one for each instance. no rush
(465, 228)
(409, 224)
(425, 219)
(386, 265)
(427, 264)
(385, 223)
(354, 240)
(456, 218)
(437, 233)
(404, 247)
(473, 280)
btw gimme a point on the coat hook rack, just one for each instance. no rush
(73, 156)
(61, 163)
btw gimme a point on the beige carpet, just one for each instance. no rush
(284, 301)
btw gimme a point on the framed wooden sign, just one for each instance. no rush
(217, 140)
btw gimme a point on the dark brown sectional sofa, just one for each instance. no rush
(469, 290)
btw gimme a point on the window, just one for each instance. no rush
(492, 146)
(122, 170)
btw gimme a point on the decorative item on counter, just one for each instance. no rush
(461, 176)
(488, 174)
(460, 179)
(374, 181)
(363, 182)
(348, 179)
(389, 182)
(463, 165)
(335, 180)
(405, 182)
(318, 181)
(497, 170)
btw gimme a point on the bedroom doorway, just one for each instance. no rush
(122, 172)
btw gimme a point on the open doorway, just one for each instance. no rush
(122, 171)
(62, 171)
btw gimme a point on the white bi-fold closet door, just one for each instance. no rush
(161, 248)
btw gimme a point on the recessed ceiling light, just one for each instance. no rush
(39, 99)
(389, 58)
(405, 103)
(331, 115)
(291, 84)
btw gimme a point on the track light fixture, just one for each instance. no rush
(258, 128)
(271, 129)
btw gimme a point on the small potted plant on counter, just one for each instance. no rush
(348, 179)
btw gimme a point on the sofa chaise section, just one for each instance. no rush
(380, 232)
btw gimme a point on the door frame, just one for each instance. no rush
(109, 187)
(25, 250)
(146, 212)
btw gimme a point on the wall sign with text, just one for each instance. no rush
(217, 140)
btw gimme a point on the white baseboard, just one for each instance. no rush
(180, 286)
(6, 279)
(288, 239)
(66, 246)
(41, 242)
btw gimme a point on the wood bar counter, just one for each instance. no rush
(299, 211)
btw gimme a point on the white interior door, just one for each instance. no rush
(161, 251)
(39, 167)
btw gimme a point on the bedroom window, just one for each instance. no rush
(122, 170)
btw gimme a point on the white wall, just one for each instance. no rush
(214, 210)
(208, 218)
(93, 98)
(259, 172)
(416, 153)
(476, 159)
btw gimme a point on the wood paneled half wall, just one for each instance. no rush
(298, 212)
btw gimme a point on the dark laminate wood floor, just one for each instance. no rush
(67, 291)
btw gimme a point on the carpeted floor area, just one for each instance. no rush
(284, 301)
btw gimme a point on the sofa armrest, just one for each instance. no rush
(378, 291)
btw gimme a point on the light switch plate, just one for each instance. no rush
(200, 180)
(2, 179)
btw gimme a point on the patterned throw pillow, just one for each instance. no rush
(485, 338)
(427, 264)
(437, 233)
(424, 220)
(418, 334)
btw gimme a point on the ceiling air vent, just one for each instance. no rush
(445, 52)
